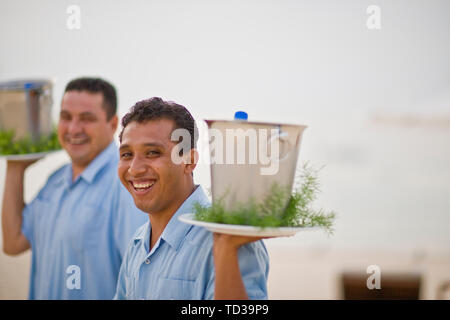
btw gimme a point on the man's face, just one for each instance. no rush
(146, 168)
(83, 130)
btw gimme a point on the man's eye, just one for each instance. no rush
(125, 155)
(88, 119)
(153, 153)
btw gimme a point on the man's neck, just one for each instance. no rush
(160, 220)
(76, 171)
(78, 168)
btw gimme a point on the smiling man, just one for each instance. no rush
(79, 224)
(166, 258)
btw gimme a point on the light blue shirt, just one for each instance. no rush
(79, 230)
(180, 265)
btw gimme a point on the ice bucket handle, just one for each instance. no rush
(284, 152)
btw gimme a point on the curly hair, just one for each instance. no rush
(156, 108)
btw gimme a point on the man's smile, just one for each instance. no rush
(76, 140)
(142, 186)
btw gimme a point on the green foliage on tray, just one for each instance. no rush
(9, 146)
(272, 212)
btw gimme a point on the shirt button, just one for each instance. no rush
(147, 261)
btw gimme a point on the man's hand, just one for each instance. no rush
(229, 284)
(232, 242)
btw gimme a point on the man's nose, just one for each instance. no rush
(137, 167)
(75, 127)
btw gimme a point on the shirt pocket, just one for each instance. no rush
(89, 229)
(176, 289)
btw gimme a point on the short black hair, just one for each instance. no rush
(95, 85)
(156, 108)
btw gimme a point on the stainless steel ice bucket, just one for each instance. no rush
(25, 107)
(245, 162)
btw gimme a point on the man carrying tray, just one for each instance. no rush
(166, 258)
(79, 224)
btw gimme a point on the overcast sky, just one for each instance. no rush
(276, 59)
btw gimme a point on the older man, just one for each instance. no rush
(79, 224)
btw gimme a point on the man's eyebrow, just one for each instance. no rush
(148, 144)
(86, 113)
(154, 144)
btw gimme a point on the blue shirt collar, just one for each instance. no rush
(175, 231)
(89, 174)
(110, 152)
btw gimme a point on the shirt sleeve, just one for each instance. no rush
(31, 214)
(27, 222)
(33, 211)
(254, 266)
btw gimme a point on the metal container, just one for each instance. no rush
(25, 107)
(245, 162)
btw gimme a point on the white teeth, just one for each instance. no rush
(143, 185)
(76, 141)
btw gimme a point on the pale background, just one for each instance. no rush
(376, 103)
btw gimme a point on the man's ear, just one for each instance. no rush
(114, 121)
(190, 160)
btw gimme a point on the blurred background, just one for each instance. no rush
(376, 103)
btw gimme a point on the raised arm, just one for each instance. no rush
(14, 242)
(229, 284)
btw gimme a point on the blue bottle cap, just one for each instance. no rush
(28, 85)
(240, 115)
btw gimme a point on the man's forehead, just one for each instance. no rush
(150, 131)
(82, 99)
(83, 94)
